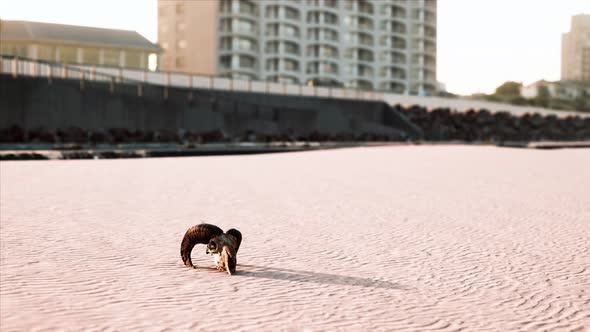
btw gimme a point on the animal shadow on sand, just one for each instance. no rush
(313, 277)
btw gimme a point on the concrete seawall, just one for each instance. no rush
(39, 103)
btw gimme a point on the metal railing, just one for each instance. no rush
(37, 68)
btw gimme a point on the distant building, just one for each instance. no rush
(76, 44)
(370, 44)
(575, 50)
(568, 90)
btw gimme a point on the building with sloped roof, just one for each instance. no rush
(76, 44)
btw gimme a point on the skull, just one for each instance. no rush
(223, 248)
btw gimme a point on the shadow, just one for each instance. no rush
(313, 277)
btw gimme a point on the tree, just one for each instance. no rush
(509, 90)
(543, 96)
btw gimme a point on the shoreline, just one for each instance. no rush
(125, 151)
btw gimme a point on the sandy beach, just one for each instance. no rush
(402, 238)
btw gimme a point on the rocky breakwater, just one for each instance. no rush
(444, 124)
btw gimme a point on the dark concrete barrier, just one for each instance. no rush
(38, 110)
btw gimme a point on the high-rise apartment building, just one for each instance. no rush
(575, 50)
(370, 44)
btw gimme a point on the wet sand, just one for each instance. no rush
(382, 238)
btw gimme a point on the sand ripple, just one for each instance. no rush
(374, 239)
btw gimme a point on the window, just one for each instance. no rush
(393, 72)
(331, 3)
(272, 47)
(291, 13)
(225, 6)
(393, 57)
(322, 17)
(358, 54)
(282, 79)
(246, 44)
(91, 56)
(277, 29)
(162, 11)
(272, 64)
(45, 52)
(291, 65)
(394, 11)
(330, 18)
(132, 59)
(180, 8)
(291, 48)
(246, 61)
(180, 62)
(272, 12)
(358, 22)
(359, 38)
(291, 31)
(181, 44)
(430, 32)
(359, 70)
(110, 57)
(393, 42)
(245, 7)
(393, 26)
(361, 84)
(180, 27)
(245, 26)
(313, 17)
(322, 67)
(237, 25)
(322, 51)
(365, 7)
(69, 55)
(225, 61)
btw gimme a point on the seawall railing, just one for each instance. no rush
(38, 68)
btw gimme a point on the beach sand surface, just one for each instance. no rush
(405, 238)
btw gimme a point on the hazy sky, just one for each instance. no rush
(481, 43)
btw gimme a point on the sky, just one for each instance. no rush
(481, 43)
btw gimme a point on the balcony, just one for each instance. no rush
(282, 31)
(359, 84)
(320, 17)
(238, 26)
(237, 63)
(230, 45)
(394, 42)
(282, 13)
(392, 72)
(359, 70)
(393, 27)
(325, 5)
(359, 23)
(393, 86)
(322, 68)
(280, 65)
(393, 57)
(322, 51)
(356, 54)
(394, 11)
(283, 48)
(238, 7)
